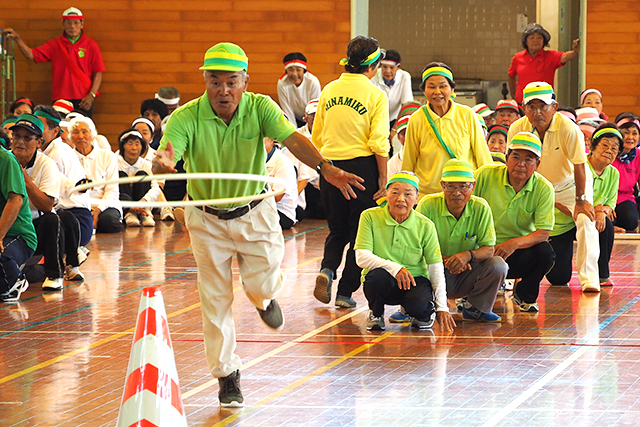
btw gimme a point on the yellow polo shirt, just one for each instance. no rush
(562, 147)
(515, 214)
(352, 119)
(423, 154)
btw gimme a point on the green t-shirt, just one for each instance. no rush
(207, 144)
(473, 230)
(515, 215)
(605, 193)
(12, 181)
(412, 244)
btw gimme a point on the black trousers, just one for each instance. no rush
(133, 191)
(76, 106)
(343, 217)
(285, 222)
(176, 190)
(85, 220)
(50, 244)
(71, 229)
(530, 265)
(562, 244)
(381, 289)
(314, 208)
(109, 221)
(627, 215)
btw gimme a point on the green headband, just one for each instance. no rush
(606, 131)
(437, 71)
(368, 60)
(404, 177)
(10, 120)
(47, 116)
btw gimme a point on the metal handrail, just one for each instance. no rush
(7, 73)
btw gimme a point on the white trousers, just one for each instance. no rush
(586, 234)
(257, 240)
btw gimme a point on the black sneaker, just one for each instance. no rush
(272, 316)
(229, 393)
(424, 323)
(13, 294)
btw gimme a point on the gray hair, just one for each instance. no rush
(75, 122)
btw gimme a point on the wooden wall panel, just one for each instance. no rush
(613, 45)
(146, 44)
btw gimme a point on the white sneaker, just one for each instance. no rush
(52, 284)
(131, 220)
(82, 256)
(73, 273)
(166, 214)
(148, 221)
(84, 250)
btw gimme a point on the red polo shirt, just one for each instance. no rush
(85, 53)
(541, 68)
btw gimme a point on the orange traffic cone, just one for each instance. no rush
(151, 396)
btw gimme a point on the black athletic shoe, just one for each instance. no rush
(230, 394)
(272, 316)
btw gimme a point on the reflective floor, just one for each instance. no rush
(64, 355)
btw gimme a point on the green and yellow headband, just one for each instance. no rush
(225, 57)
(437, 71)
(456, 170)
(526, 141)
(405, 177)
(607, 131)
(368, 60)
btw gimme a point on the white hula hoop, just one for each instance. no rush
(180, 176)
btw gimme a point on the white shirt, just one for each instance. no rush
(144, 165)
(71, 170)
(302, 172)
(294, 99)
(399, 93)
(102, 165)
(280, 166)
(394, 165)
(46, 177)
(304, 130)
(102, 142)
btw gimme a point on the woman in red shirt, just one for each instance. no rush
(534, 63)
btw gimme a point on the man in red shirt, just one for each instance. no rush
(76, 63)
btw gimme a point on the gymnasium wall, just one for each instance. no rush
(613, 47)
(148, 44)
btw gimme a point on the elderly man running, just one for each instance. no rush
(222, 132)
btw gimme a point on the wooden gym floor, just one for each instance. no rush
(64, 355)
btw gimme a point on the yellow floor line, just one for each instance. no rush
(111, 338)
(304, 379)
(278, 350)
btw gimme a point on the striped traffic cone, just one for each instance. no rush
(151, 396)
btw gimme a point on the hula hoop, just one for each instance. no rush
(180, 176)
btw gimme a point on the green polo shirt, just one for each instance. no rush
(208, 144)
(605, 193)
(12, 181)
(412, 244)
(515, 215)
(473, 230)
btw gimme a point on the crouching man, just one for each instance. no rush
(467, 238)
(399, 252)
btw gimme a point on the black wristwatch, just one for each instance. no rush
(322, 162)
(473, 257)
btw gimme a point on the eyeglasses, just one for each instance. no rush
(26, 138)
(529, 108)
(455, 188)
